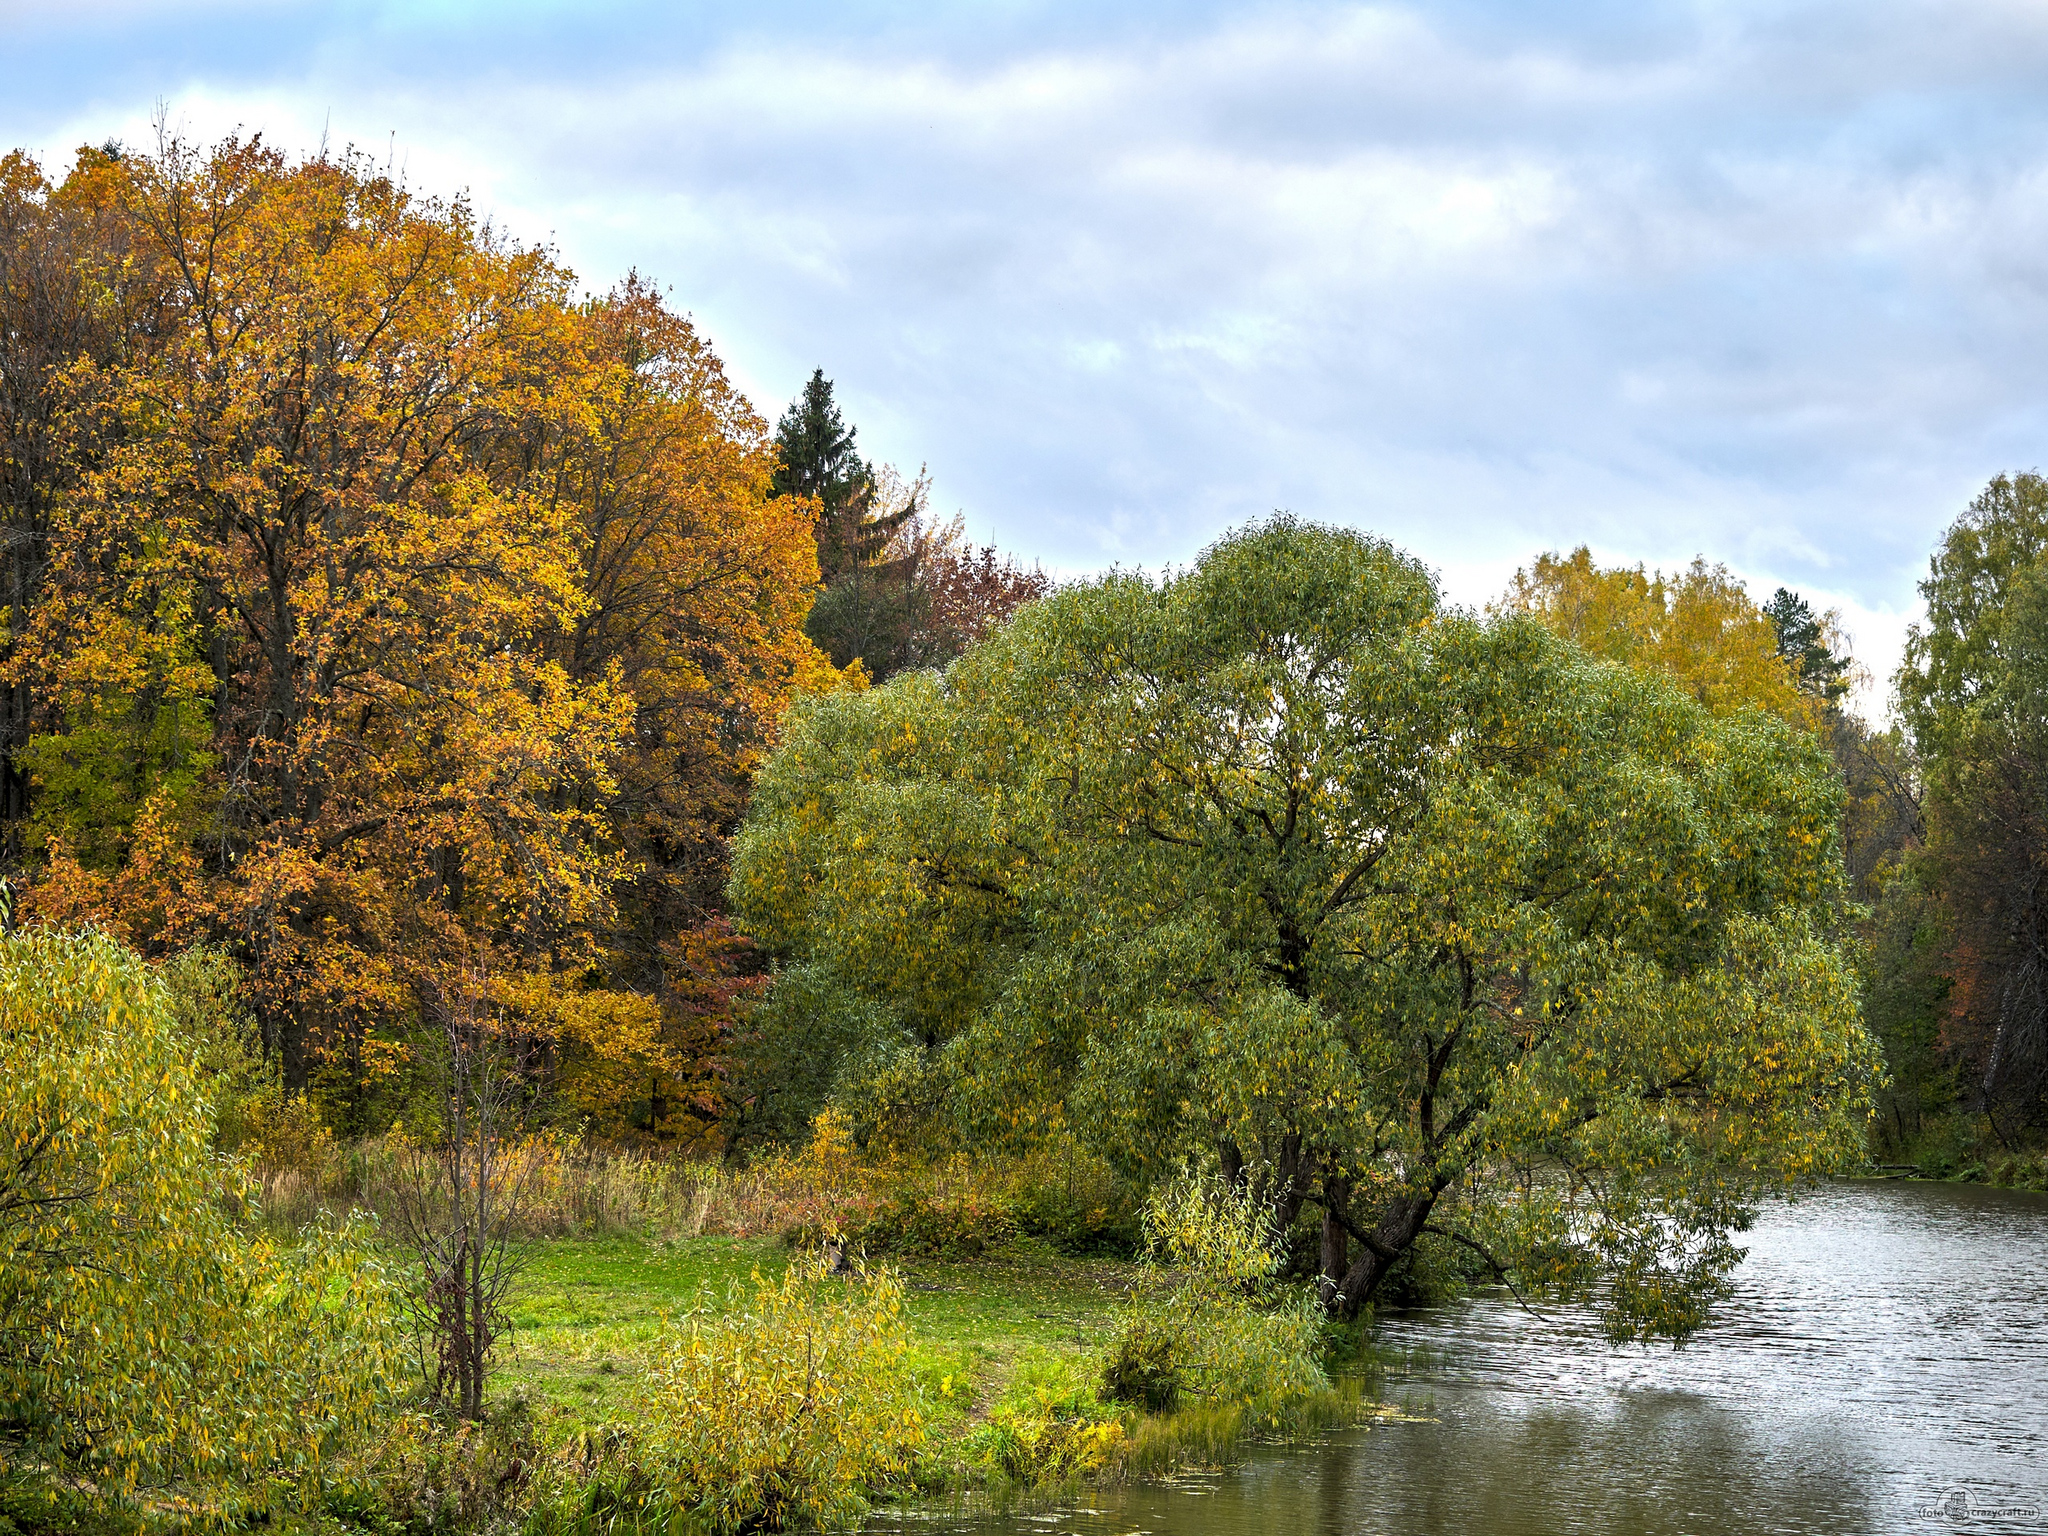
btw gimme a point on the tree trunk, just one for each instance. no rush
(1336, 1255)
(1391, 1237)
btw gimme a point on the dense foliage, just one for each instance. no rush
(1960, 988)
(785, 1408)
(1213, 1321)
(1427, 922)
(148, 1340)
(1698, 626)
(392, 641)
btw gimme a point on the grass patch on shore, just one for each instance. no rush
(588, 1311)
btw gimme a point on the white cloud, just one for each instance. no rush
(1762, 281)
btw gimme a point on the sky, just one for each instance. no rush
(1766, 283)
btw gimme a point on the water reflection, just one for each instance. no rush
(1883, 1367)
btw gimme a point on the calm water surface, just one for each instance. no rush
(1882, 1367)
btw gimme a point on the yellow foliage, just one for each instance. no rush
(1698, 625)
(786, 1410)
(150, 1341)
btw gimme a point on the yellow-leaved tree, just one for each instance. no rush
(313, 553)
(696, 581)
(1698, 625)
(149, 1341)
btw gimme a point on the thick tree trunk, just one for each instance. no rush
(1336, 1249)
(1393, 1235)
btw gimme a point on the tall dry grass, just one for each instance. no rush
(952, 1207)
(573, 1187)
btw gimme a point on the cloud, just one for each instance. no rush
(1761, 281)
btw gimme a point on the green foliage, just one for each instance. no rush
(1213, 1324)
(149, 1339)
(1431, 918)
(789, 1410)
(964, 1227)
(1906, 989)
(871, 604)
(792, 1050)
(1956, 656)
(893, 1200)
(1049, 1426)
(428, 1473)
(816, 457)
(122, 752)
(1973, 690)
(242, 1081)
(1804, 645)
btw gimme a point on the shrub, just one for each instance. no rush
(953, 1224)
(150, 1340)
(1212, 1323)
(1050, 1427)
(957, 1207)
(787, 1411)
(205, 992)
(434, 1472)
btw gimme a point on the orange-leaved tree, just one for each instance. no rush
(312, 555)
(696, 580)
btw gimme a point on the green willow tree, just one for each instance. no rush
(150, 1342)
(1423, 923)
(1965, 944)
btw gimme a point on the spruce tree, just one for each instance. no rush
(870, 603)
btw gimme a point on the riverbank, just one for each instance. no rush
(1005, 1359)
(1002, 1369)
(1961, 1149)
(589, 1312)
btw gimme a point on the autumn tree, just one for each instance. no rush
(963, 592)
(1701, 627)
(73, 286)
(312, 560)
(382, 612)
(696, 580)
(1439, 928)
(1698, 625)
(150, 1343)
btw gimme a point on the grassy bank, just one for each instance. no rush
(1966, 1149)
(590, 1310)
(1004, 1364)
(1008, 1287)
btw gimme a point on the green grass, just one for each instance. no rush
(589, 1313)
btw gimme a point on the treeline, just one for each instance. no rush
(385, 613)
(1945, 816)
(1956, 987)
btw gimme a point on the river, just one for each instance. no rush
(1882, 1367)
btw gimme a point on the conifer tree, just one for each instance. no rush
(869, 608)
(1803, 644)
